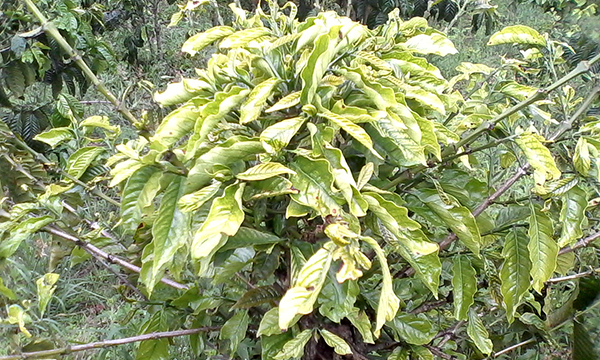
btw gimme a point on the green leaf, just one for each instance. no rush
(264, 171)
(351, 128)
(285, 102)
(515, 272)
(99, 122)
(243, 37)
(224, 219)
(257, 99)
(389, 303)
(317, 64)
(278, 136)
(431, 44)
(362, 323)
(45, 289)
(414, 329)
(257, 296)
(464, 284)
(339, 345)
(300, 298)
(201, 40)
(8, 293)
(365, 175)
(250, 237)
(269, 325)
(16, 315)
(478, 333)
(170, 232)
(295, 347)
(131, 206)
(55, 136)
(180, 92)
(391, 138)
(314, 182)
(191, 202)
(517, 34)
(572, 215)
(81, 159)
(457, 217)
(539, 157)
(581, 158)
(583, 345)
(543, 250)
(177, 124)
(22, 231)
(233, 150)
(154, 349)
(235, 330)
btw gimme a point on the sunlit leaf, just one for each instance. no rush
(45, 288)
(264, 171)
(81, 159)
(201, 40)
(478, 333)
(257, 99)
(517, 34)
(572, 215)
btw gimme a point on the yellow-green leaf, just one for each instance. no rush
(515, 272)
(257, 99)
(200, 41)
(351, 128)
(339, 345)
(277, 136)
(264, 171)
(243, 37)
(55, 136)
(479, 334)
(81, 159)
(464, 284)
(517, 34)
(572, 215)
(195, 200)
(45, 289)
(286, 102)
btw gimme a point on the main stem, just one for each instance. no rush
(53, 32)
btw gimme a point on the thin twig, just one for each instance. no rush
(581, 243)
(108, 343)
(508, 349)
(573, 277)
(111, 258)
(438, 352)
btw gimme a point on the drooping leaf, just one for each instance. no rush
(431, 44)
(264, 171)
(572, 215)
(515, 271)
(478, 333)
(16, 315)
(300, 298)
(339, 345)
(235, 330)
(464, 284)
(362, 323)
(543, 250)
(243, 37)
(317, 64)
(517, 34)
(389, 303)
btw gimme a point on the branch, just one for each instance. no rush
(108, 343)
(52, 31)
(510, 348)
(573, 277)
(111, 258)
(439, 353)
(581, 243)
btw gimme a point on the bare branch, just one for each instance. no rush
(573, 277)
(581, 243)
(108, 343)
(510, 348)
